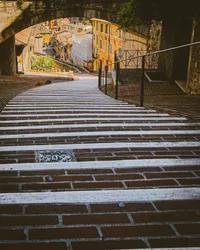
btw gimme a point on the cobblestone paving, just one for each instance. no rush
(133, 181)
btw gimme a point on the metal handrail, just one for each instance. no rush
(117, 64)
(156, 52)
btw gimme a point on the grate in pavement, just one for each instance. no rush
(55, 156)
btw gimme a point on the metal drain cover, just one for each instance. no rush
(55, 156)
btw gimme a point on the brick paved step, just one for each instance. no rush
(25, 116)
(71, 110)
(64, 106)
(97, 138)
(106, 154)
(85, 127)
(147, 145)
(125, 166)
(104, 103)
(102, 152)
(90, 179)
(130, 225)
(91, 120)
(103, 133)
(50, 102)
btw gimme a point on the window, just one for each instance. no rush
(100, 44)
(111, 32)
(106, 46)
(120, 33)
(106, 29)
(111, 48)
(96, 26)
(101, 27)
(97, 39)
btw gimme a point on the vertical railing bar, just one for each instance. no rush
(142, 83)
(100, 75)
(117, 81)
(106, 79)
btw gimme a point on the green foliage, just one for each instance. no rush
(127, 15)
(134, 12)
(87, 22)
(43, 63)
(20, 3)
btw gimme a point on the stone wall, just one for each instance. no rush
(153, 44)
(194, 64)
(8, 57)
(9, 15)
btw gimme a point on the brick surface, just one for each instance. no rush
(94, 185)
(151, 183)
(112, 225)
(10, 209)
(108, 244)
(96, 219)
(9, 234)
(165, 217)
(178, 205)
(28, 220)
(138, 231)
(63, 233)
(55, 209)
(175, 242)
(117, 208)
(34, 246)
(45, 186)
(188, 228)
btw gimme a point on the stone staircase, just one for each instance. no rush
(80, 170)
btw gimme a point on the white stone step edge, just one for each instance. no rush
(99, 125)
(61, 106)
(101, 196)
(86, 114)
(101, 133)
(144, 163)
(193, 144)
(96, 119)
(78, 110)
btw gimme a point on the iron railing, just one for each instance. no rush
(103, 74)
(126, 56)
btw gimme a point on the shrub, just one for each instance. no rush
(43, 63)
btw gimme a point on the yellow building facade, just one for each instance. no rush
(108, 38)
(46, 37)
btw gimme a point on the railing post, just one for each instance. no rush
(115, 60)
(106, 79)
(142, 83)
(117, 79)
(100, 75)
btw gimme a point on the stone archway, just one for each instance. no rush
(44, 10)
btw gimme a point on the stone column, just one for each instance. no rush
(8, 57)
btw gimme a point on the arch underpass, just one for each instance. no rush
(33, 12)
